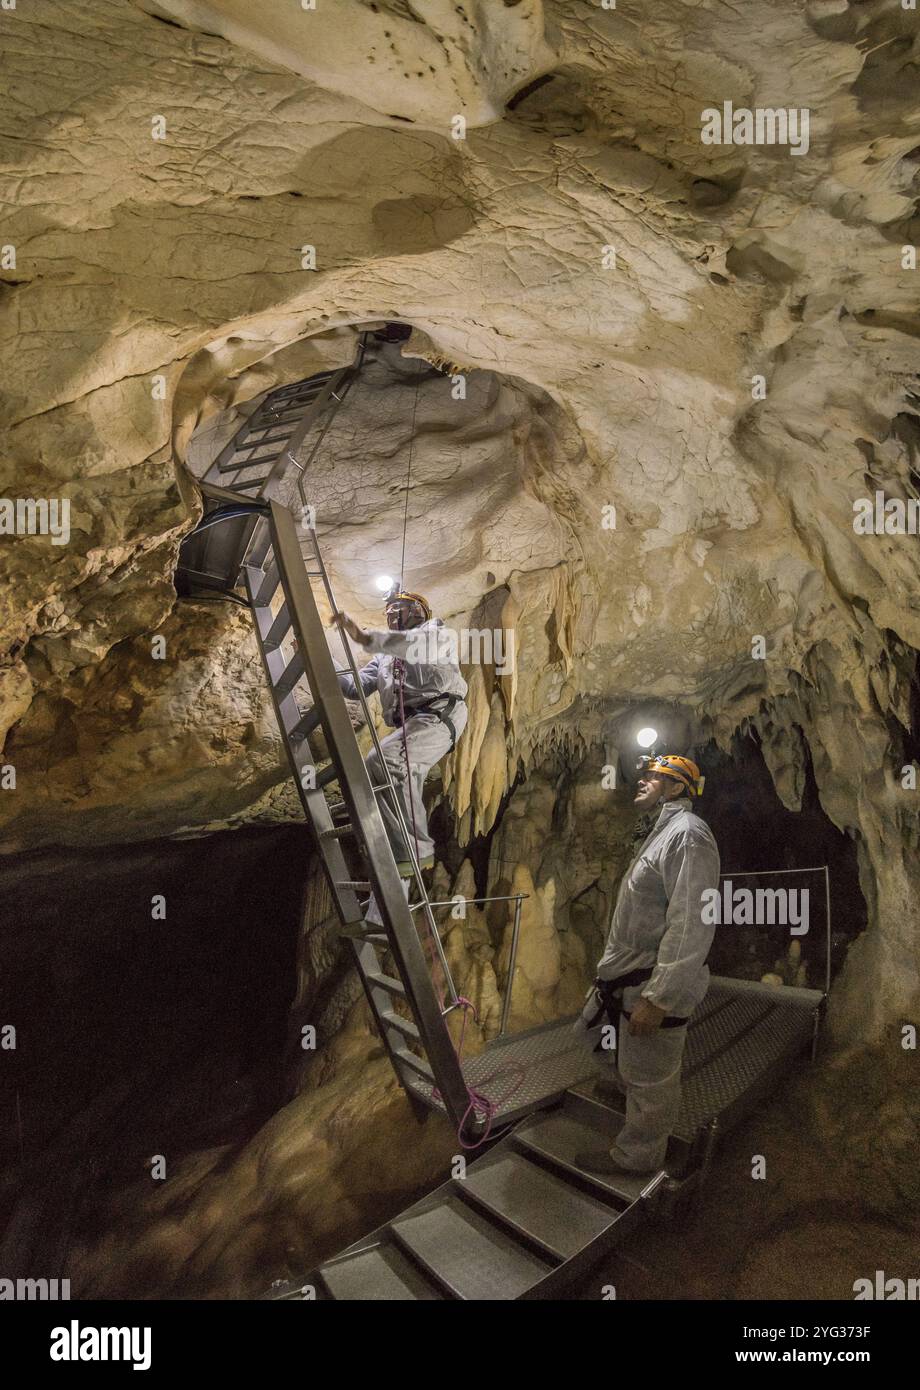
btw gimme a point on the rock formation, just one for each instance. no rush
(684, 362)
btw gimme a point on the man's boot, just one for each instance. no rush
(609, 1088)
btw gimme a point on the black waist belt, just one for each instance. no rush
(428, 707)
(611, 996)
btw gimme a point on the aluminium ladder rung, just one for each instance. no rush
(297, 385)
(292, 673)
(357, 885)
(268, 581)
(414, 1063)
(360, 931)
(338, 832)
(402, 1025)
(386, 982)
(295, 399)
(250, 446)
(250, 482)
(310, 387)
(236, 465)
(269, 439)
(309, 720)
(276, 405)
(281, 626)
(290, 414)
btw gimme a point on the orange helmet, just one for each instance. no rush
(683, 770)
(401, 595)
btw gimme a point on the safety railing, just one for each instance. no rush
(816, 869)
(517, 899)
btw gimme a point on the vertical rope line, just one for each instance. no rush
(402, 559)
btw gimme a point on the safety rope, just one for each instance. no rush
(402, 559)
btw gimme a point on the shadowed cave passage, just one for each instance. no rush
(140, 1036)
(755, 831)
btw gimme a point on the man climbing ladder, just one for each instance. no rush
(422, 696)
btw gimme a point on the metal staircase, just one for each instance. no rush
(249, 537)
(525, 1219)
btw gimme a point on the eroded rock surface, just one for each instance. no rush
(684, 362)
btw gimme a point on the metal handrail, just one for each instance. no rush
(515, 932)
(815, 869)
(517, 899)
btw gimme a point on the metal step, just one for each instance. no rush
(309, 722)
(352, 931)
(281, 626)
(311, 384)
(559, 1137)
(297, 385)
(539, 1205)
(292, 673)
(292, 413)
(379, 1273)
(249, 484)
(385, 982)
(260, 547)
(337, 832)
(467, 1254)
(267, 584)
(402, 1025)
(236, 465)
(416, 1064)
(269, 439)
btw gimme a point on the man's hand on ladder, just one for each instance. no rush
(351, 627)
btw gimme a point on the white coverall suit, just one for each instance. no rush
(657, 923)
(429, 669)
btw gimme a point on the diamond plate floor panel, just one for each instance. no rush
(524, 1073)
(530, 1191)
(736, 1035)
(733, 1041)
(471, 1256)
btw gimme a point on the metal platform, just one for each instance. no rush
(523, 1073)
(740, 1032)
(526, 1219)
(738, 1043)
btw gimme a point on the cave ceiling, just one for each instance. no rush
(684, 361)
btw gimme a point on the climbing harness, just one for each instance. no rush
(428, 707)
(608, 1000)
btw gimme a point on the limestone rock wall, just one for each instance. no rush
(163, 184)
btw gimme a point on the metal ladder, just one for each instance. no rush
(252, 533)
